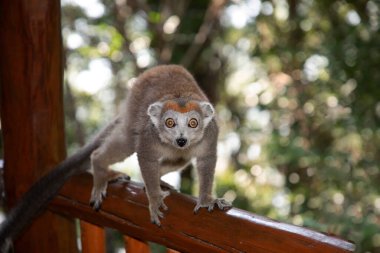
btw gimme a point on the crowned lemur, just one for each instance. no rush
(167, 120)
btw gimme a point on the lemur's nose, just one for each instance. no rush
(181, 142)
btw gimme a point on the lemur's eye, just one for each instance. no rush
(169, 123)
(193, 123)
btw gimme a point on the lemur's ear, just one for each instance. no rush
(208, 112)
(154, 112)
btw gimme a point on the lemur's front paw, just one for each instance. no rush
(99, 193)
(97, 196)
(221, 203)
(154, 208)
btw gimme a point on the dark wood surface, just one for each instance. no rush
(125, 209)
(32, 111)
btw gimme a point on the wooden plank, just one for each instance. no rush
(32, 112)
(135, 246)
(93, 238)
(126, 209)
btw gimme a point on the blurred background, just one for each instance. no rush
(295, 84)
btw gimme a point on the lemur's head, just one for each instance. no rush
(181, 123)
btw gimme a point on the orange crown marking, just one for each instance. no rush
(189, 106)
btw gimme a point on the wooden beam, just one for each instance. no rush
(32, 112)
(126, 209)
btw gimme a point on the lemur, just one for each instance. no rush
(167, 120)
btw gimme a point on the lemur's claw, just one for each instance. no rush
(95, 205)
(155, 217)
(222, 204)
(97, 196)
(154, 208)
(156, 222)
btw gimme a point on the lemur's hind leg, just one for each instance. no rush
(114, 149)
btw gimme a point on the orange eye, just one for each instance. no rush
(169, 123)
(193, 123)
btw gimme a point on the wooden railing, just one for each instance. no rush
(126, 209)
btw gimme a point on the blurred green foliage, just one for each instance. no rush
(296, 84)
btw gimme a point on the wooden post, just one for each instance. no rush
(135, 246)
(32, 112)
(93, 238)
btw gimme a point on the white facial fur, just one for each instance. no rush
(181, 128)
